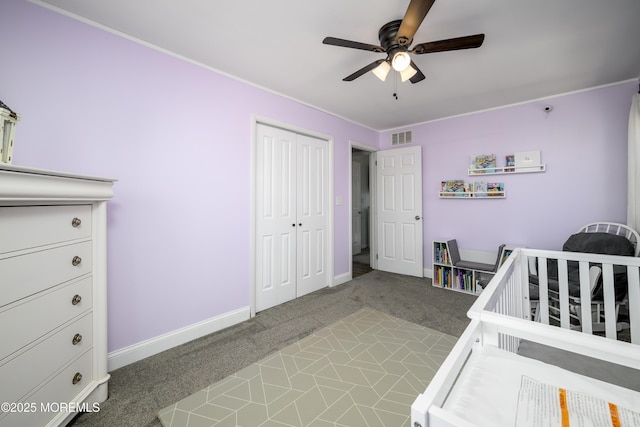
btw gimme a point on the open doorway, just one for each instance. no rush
(361, 212)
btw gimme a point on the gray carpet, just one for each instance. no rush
(138, 391)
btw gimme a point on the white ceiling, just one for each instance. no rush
(533, 49)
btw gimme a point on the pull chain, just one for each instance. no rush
(395, 85)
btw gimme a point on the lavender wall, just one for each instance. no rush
(583, 143)
(178, 139)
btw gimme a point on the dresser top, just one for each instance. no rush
(23, 185)
(28, 170)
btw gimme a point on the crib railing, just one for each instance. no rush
(591, 293)
(504, 315)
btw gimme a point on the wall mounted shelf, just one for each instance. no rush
(507, 170)
(473, 195)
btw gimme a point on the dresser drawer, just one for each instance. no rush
(24, 373)
(27, 227)
(28, 274)
(60, 390)
(28, 320)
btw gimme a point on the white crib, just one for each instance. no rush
(492, 377)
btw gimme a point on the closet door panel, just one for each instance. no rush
(275, 217)
(313, 184)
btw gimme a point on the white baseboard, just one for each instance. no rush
(428, 272)
(133, 353)
(343, 278)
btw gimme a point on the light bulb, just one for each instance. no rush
(401, 61)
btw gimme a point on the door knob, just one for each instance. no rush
(417, 217)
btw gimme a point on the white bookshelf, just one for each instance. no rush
(447, 276)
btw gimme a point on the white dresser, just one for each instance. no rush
(53, 295)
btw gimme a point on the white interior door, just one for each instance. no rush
(292, 218)
(399, 204)
(312, 214)
(275, 217)
(356, 207)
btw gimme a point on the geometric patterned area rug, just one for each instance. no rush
(364, 370)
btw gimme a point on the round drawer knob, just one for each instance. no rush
(77, 378)
(76, 339)
(76, 260)
(76, 299)
(75, 222)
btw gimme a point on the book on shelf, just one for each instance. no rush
(453, 188)
(442, 276)
(495, 189)
(509, 163)
(480, 188)
(464, 281)
(484, 161)
(441, 254)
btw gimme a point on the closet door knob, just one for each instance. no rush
(76, 260)
(417, 217)
(75, 222)
(77, 378)
(76, 299)
(76, 339)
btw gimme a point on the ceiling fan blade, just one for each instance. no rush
(413, 17)
(466, 42)
(353, 45)
(417, 77)
(363, 70)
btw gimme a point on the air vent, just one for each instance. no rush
(401, 138)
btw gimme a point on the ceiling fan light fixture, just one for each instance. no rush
(382, 70)
(400, 61)
(407, 73)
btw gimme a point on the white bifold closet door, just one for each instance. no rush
(291, 215)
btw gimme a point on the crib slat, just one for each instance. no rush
(609, 301)
(585, 298)
(543, 290)
(634, 301)
(563, 284)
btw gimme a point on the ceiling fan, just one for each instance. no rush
(396, 38)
